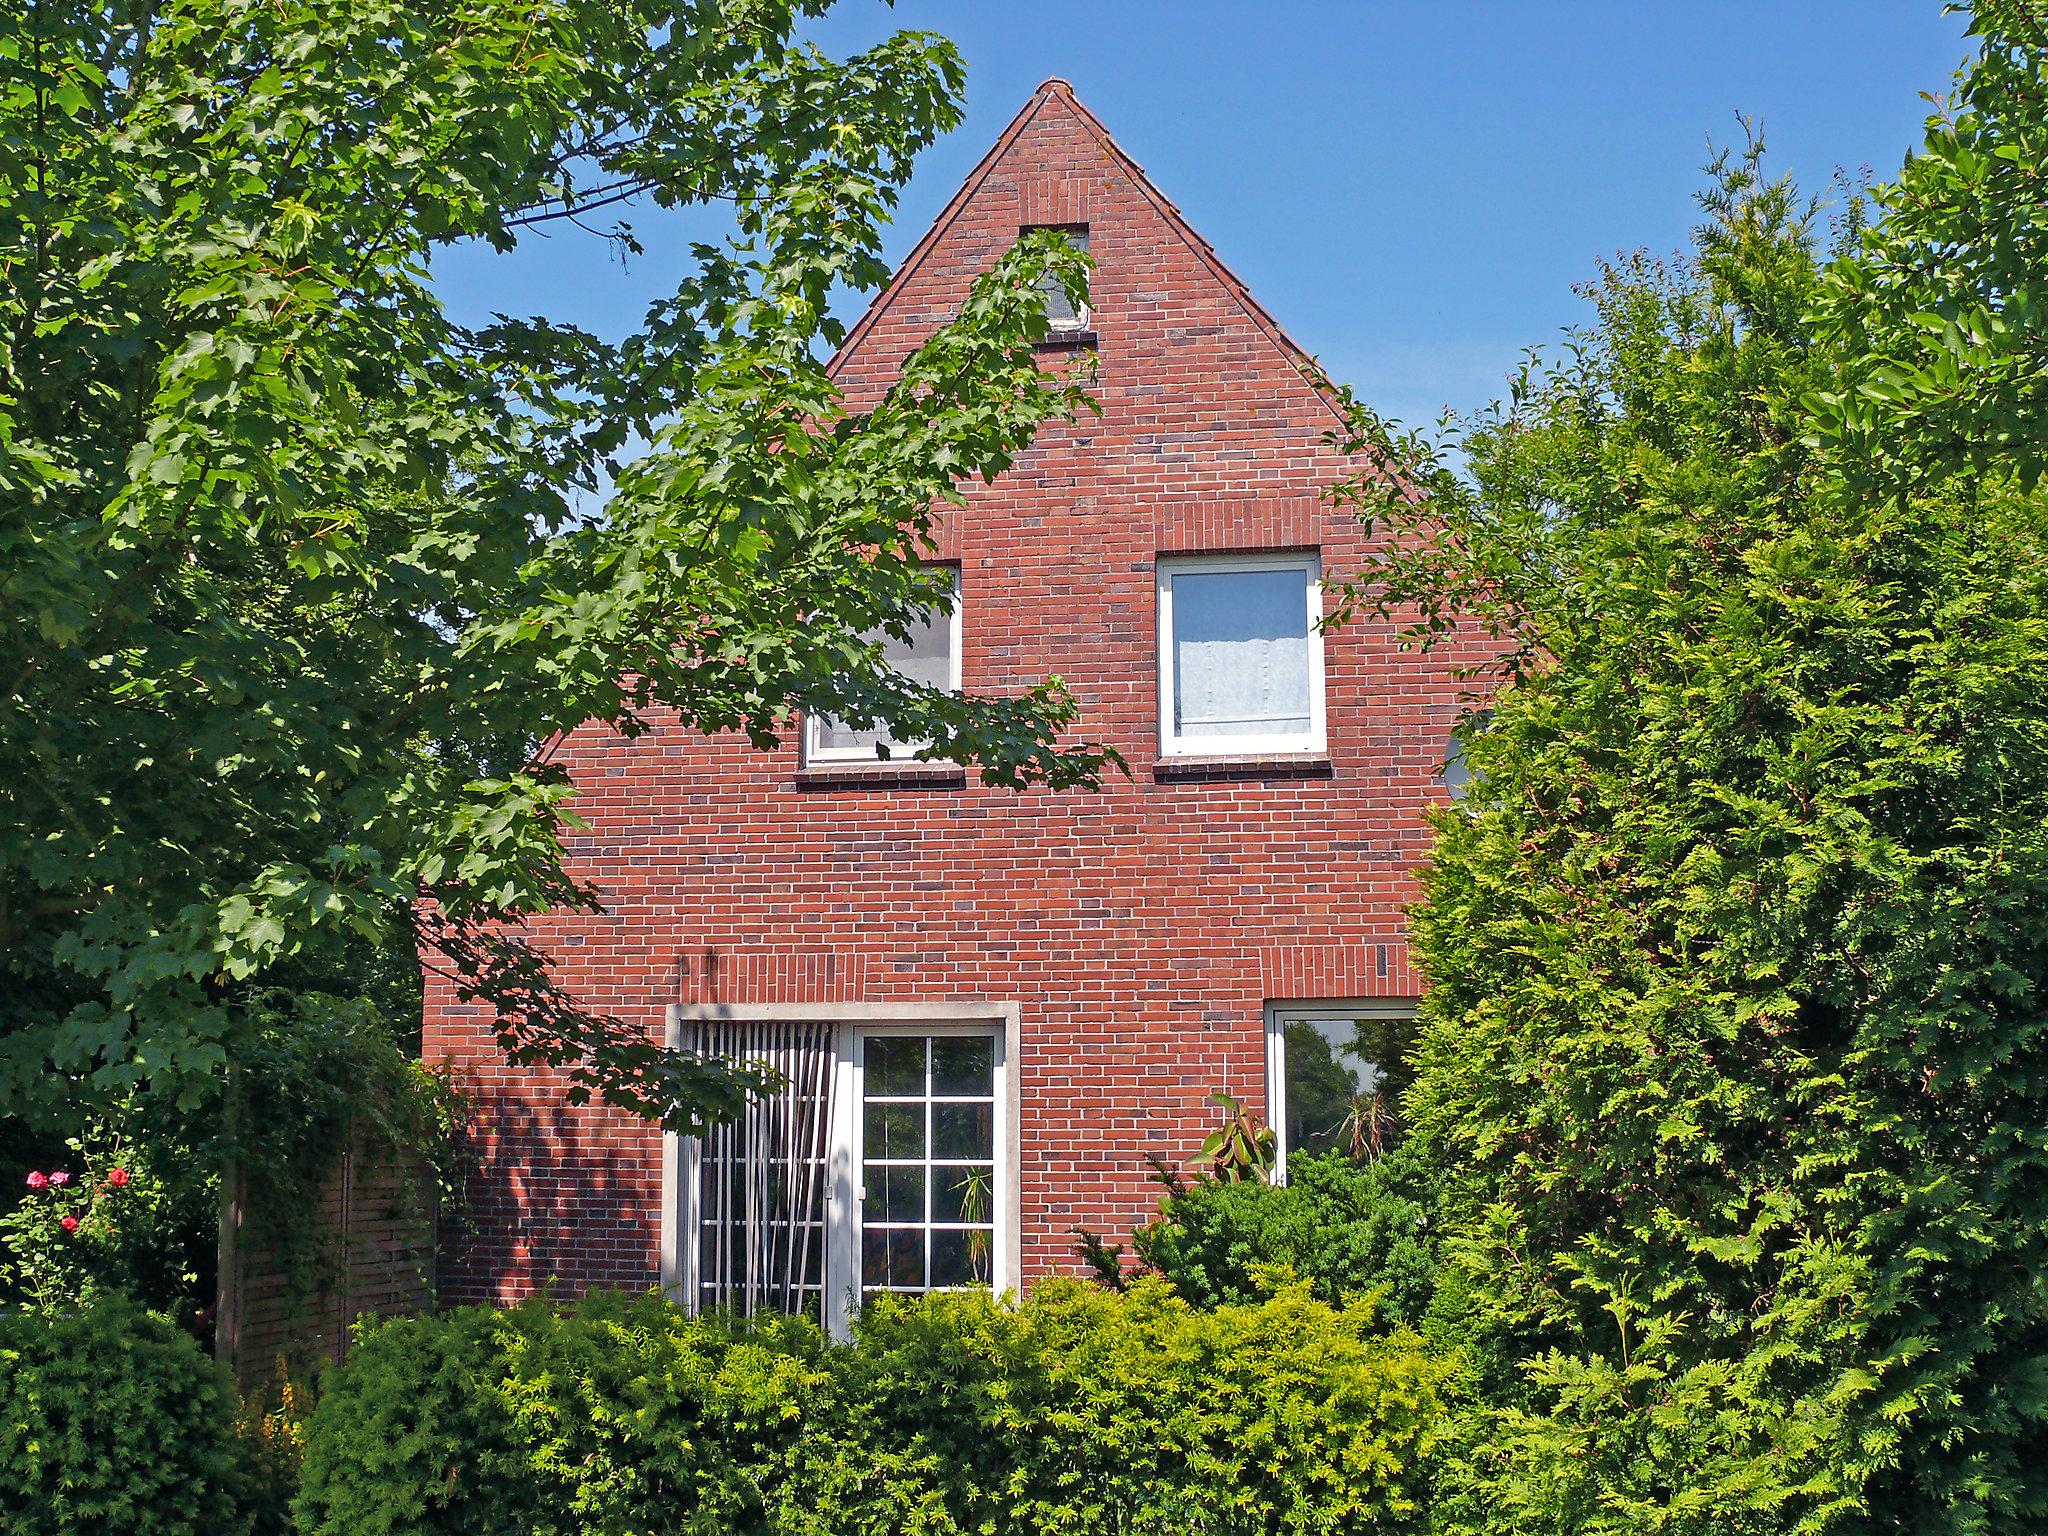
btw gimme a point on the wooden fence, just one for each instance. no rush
(373, 1254)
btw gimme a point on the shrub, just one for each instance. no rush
(1736, 1039)
(612, 1416)
(1348, 1229)
(113, 1421)
(271, 1428)
(1079, 1410)
(103, 1218)
(1088, 1410)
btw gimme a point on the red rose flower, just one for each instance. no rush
(69, 1223)
(117, 1178)
(59, 1179)
(38, 1179)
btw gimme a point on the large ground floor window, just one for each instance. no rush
(885, 1163)
(1332, 1069)
(927, 1161)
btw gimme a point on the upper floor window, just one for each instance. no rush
(930, 655)
(1456, 774)
(1240, 655)
(1061, 315)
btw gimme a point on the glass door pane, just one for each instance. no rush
(928, 1161)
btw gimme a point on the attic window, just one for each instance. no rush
(1061, 318)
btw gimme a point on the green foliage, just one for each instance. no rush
(321, 1071)
(1079, 1410)
(324, 1073)
(1940, 308)
(271, 1433)
(1737, 1040)
(298, 573)
(1085, 1410)
(612, 1417)
(104, 1219)
(1352, 1231)
(113, 1421)
(1242, 1148)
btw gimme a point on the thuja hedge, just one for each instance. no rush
(1735, 1050)
(1078, 1410)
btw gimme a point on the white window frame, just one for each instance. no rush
(1313, 741)
(815, 752)
(1278, 1017)
(855, 1022)
(1082, 322)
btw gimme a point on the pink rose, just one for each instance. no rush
(69, 1223)
(38, 1179)
(59, 1179)
(117, 1178)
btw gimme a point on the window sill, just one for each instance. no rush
(1277, 765)
(1067, 341)
(880, 775)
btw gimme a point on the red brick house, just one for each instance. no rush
(990, 1007)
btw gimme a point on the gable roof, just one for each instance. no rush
(1054, 94)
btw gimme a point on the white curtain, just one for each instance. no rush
(1240, 662)
(927, 657)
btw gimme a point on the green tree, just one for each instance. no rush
(1736, 1049)
(1941, 310)
(296, 573)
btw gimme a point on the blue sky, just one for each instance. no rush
(1412, 189)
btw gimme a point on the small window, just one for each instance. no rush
(1456, 774)
(1241, 655)
(1333, 1072)
(1061, 317)
(931, 655)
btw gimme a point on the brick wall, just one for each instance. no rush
(1142, 930)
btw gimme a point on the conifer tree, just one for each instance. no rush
(1736, 1048)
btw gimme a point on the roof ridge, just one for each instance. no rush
(1049, 88)
(1205, 252)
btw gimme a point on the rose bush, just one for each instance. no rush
(75, 1236)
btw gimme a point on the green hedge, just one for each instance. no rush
(1348, 1229)
(114, 1422)
(1078, 1411)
